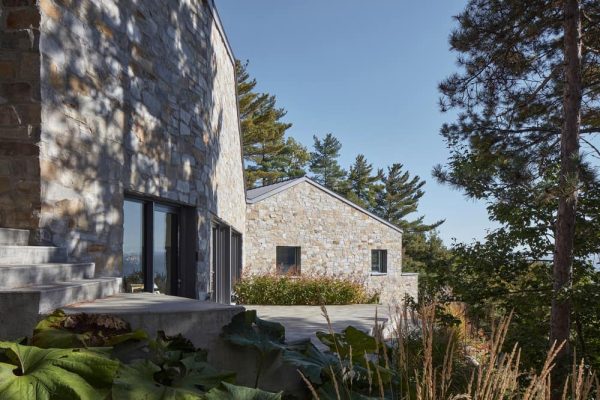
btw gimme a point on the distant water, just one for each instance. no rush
(132, 262)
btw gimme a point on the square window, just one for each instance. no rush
(379, 261)
(288, 260)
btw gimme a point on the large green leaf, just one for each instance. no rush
(28, 372)
(247, 330)
(350, 341)
(311, 361)
(231, 392)
(176, 378)
(136, 381)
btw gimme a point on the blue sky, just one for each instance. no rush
(367, 71)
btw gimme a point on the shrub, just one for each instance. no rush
(88, 357)
(426, 360)
(302, 290)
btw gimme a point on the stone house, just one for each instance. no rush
(120, 152)
(121, 168)
(301, 227)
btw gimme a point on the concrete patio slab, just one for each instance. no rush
(302, 322)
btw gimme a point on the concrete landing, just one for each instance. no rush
(199, 321)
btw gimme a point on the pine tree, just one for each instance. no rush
(362, 186)
(526, 91)
(269, 157)
(292, 160)
(400, 197)
(324, 164)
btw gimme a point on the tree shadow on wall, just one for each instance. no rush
(128, 107)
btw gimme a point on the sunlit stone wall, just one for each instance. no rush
(335, 238)
(133, 96)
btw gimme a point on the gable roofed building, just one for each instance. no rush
(301, 227)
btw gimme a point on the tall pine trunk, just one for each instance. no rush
(568, 181)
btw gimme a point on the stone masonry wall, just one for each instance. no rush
(137, 97)
(19, 114)
(228, 201)
(335, 238)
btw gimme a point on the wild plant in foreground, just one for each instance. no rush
(418, 359)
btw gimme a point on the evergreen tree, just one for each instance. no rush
(400, 197)
(269, 157)
(292, 160)
(362, 186)
(425, 253)
(526, 91)
(324, 164)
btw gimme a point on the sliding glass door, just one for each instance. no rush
(226, 263)
(133, 246)
(150, 247)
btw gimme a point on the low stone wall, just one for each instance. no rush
(393, 289)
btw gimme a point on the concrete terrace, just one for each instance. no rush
(303, 322)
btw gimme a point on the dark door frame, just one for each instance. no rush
(225, 260)
(183, 282)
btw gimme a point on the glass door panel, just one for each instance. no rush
(133, 271)
(150, 247)
(165, 240)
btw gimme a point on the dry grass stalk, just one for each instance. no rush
(497, 377)
(309, 385)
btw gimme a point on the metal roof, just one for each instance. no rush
(260, 193)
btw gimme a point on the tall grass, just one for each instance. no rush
(433, 362)
(302, 290)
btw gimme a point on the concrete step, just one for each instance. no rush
(14, 237)
(48, 297)
(32, 255)
(17, 276)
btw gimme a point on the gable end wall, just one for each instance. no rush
(336, 238)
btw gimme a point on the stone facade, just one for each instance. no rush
(336, 238)
(108, 97)
(20, 107)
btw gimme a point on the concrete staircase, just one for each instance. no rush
(35, 280)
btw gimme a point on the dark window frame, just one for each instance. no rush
(225, 261)
(296, 270)
(381, 266)
(183, 283)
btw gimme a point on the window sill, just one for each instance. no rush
(378, 273)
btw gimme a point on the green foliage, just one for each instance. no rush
(426, 254)
(269, 157)
(324, 164)
(28, 372)
(399, 198)
(180, 377)
(247, 330)
(122, 364)
(362, 186)
(360, 366)
(492, 278)
(505, 149)
(231, 392)
(302, 290)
